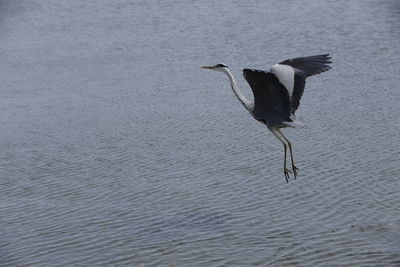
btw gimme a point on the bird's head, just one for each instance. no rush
(219, 67)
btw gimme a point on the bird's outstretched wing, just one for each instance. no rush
(310, 65)
(271, 99)
(292, 73)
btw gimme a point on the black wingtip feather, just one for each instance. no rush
(310, 65)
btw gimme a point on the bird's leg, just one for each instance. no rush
(285, 169)
(294, 168)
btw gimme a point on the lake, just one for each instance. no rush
(116, 149)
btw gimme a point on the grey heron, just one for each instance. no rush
(277, 94)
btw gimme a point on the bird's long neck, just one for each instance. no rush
(246, 103)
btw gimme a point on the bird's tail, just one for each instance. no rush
(297, 122)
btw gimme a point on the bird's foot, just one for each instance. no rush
(295, 169)
(286, 171)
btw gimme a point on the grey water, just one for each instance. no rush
(116, 149)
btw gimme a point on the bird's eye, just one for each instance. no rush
(221, 66)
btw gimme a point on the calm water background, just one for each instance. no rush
(117, 149)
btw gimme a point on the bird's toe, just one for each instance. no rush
(286, 172)
(295, 169)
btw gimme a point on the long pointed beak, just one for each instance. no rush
(208, 67)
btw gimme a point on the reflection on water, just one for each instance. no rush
(116, 148)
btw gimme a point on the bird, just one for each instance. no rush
(277, 94)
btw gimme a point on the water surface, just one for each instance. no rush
(116, 149)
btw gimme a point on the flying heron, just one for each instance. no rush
(277, 94)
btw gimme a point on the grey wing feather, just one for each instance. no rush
(271, 99)
(299, 84)
(310, 65)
